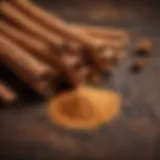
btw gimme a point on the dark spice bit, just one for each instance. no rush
(144, 47)
(139, 64)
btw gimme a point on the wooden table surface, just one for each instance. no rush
(25, 133)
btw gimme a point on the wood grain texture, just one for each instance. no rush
(26, 133)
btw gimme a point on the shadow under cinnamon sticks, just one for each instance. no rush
(22, 90)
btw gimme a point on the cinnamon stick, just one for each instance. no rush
(7, 95)
(34, 46)
(27, 41)
(66, 70)
(79, 34)
(32, 71)
(56, 24)
(26, 24)
(40, 49)
(102, 32)
(52, 22)
(32, 43)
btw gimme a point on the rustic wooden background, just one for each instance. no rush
(25, 132)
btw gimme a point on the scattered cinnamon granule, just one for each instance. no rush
(144, 47)
(139, 64)
(84, 108)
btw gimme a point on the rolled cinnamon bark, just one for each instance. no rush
(115, 40)
(7, 95)
(56, 24)
(52, 22)
(26, 24)
(27, 41)
(34, 72)
(34, 46)
(115, 44)
(103, 32)
(66, 69)
(37, 48)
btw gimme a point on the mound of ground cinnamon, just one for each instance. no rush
(84, 108)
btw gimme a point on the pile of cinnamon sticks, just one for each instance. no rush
(39, 48)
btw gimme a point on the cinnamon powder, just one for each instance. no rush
(84, 108)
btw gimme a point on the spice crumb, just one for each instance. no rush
(144, 47)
